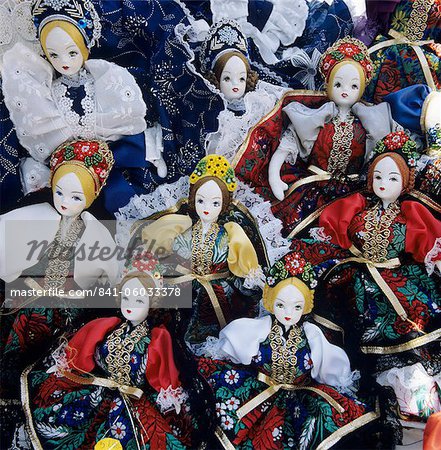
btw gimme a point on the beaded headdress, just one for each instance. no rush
(398, 142)
(94, 156)
(215, 166)
(292, 265)
(224, 36)
(80, 13)
(350, 49)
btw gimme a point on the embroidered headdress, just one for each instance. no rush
(224, 36)
(80, 13)
(91, 157)
(346, 49)
(215, 166)
(400, 143)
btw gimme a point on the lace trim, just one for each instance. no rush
(120, 347)
(203, 248)
(318, 233)
(170, 398)
(34, 175)
(82, 126)
(255, 278)
(211, 348)
(283, 356)
(378, 224)
(60, 255)
(433, 256)
(348, 385)
(61, 362)
(341, 145)
(417, 24)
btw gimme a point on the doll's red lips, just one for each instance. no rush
(382, 189)
(206, 213)
(63, 208)
(235, 89)
(287, 318)
(344, 95)
(129, 311)
(65, 67)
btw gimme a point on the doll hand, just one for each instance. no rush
(278, 187)
(161, 167)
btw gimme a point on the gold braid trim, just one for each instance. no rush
(222, 437)
(417, 24)
(341, 145)
(202, 248)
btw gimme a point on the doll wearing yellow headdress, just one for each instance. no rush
(219, 256)
(285, 386)
(45, 250)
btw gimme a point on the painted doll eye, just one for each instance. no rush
(73, 54)
(216, 204)
(226, 78)
(53, 55)
(338, 84)
(354, 86)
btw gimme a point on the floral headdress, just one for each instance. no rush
(347, 48)
(215, 166)
(292, 265)
(398, 142)
(224, 36)
(94, 156)
(144, 261)
(80, 13)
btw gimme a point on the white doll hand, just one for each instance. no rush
(277, 185)
(161, 167)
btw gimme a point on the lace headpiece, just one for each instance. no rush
(215, 166)
(224, 36)
(80, 13)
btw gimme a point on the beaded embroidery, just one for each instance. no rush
(203, 248)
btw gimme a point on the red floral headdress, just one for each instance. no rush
(94, 156)
(398, 142)
(347, 48)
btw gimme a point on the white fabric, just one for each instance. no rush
(284, 25)
(170, 398)
(42, 125)
(40, 223)
(414, 387)
(233, 129)
(16, 25)
(433, 256)
(241, 338)
(34, 175)
(330, 363)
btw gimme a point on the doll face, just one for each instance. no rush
(388, 181)
(69, 198)
(288, 306)
(433, 112)
(208, 202)
(63, 53)
(233, 79)
(346, 85)
(134, 307)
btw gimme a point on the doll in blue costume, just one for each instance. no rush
(66, 96)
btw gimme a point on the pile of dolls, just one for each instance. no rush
(220, 224)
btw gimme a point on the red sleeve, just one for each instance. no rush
(422, 229)
(335, 218)
(161, 371)
(82, 346)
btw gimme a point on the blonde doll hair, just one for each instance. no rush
(330, 82)
(270, 294)
(71, 30)
(85, 177)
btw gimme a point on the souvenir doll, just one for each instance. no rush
(225, 64)
(214, 253)
(334, 140)
(382, 289)
(59, 264)
(115, 383)
(66, 96)
(410, 54)
(286, 386)
(418, 109)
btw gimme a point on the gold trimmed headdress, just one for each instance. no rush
(215, 166)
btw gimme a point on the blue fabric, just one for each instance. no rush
(406, 106)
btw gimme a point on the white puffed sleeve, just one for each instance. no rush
(105, 263)
(240, 339)
(306, 123)
(330, 363)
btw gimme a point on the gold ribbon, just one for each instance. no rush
(399, 38)
(319, 175)
(373, 270)
(274, 387)
(130, 391)
(426, 200)
(204, 280)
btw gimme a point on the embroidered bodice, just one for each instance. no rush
(123, 354)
